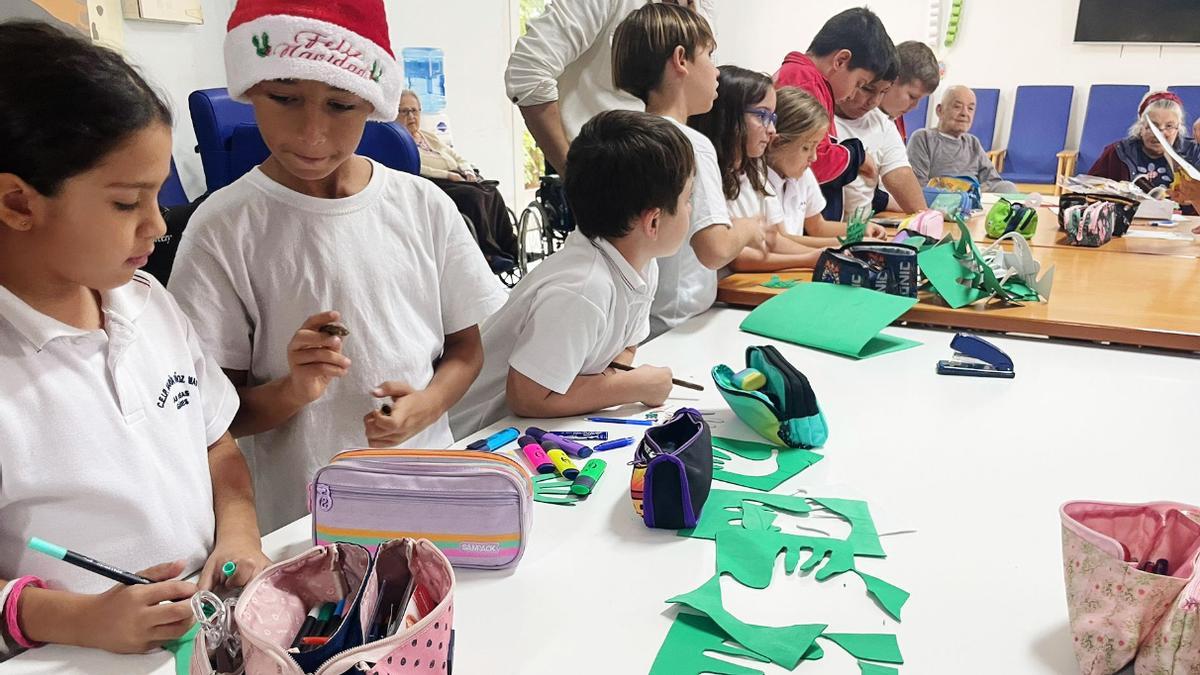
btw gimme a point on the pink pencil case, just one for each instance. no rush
(274, 605)
(1120, 613)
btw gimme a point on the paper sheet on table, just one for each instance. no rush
(943, 270)
(841, 319)
(1179, 162)
(1152, 234)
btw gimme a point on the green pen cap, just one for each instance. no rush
(229, 568)
(43, 546)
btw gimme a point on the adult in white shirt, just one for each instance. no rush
(560, 71)
(894, 187)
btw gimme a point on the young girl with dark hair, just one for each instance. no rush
(114, 422)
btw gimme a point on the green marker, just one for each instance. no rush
(586, 481)
(228, 569)
(89, 564)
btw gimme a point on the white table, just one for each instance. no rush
(977, 467)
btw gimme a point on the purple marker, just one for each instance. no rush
(570, 447)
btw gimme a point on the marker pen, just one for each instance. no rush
(582, 435)
(562, 463)
(569, 446)
(306, 627)
(586, 481)
(613, 445)
(496, 441)
(619, 420)
(535, 455)
(89, 564)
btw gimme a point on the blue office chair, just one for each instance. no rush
(918, 117)
(230, 144)
(1111, 108)
(1191, 103)
(1039, 126)
(987, 103)
(172, 193)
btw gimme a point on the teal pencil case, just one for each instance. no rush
(784, 410)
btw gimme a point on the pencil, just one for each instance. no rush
(677, 383)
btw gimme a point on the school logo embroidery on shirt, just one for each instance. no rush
(177, 390)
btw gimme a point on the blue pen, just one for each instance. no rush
(496, 441)
(613, 445)
(618, 420)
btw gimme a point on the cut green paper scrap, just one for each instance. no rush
(747, 449)
(784, 645)
(757, 517)
(856, 229)
(865, 668)
(725, 506)
(749, 556)
(182, 648)
(683, 650)
(868, 646)
(550, 488)
(776, 282)
(789, 463)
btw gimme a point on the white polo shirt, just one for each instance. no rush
(685, 286)
(751, 203)
(396, 260)
(105, 436)
(571, 316)
(799, 198)
(881, 139)
(566, 56)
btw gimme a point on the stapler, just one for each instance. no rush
(976, 357)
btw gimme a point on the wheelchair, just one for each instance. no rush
(548, 214)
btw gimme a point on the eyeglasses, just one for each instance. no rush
(767, 118)
(405, 112)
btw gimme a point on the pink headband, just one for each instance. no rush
(1158, 96)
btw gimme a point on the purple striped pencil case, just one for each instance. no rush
(474, 506)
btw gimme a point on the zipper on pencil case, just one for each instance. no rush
(484, 458)
(383, 495)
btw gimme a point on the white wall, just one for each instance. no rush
(1000, 45)
(475, 35)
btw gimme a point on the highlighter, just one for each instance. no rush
(562, 463)
(535, 455)
(586, 481)
(569, 446)
(496, 441)
(749, 379)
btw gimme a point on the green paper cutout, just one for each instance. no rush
(943, 271)
(891, 598)
(841, 319)
(814, 653)
(865, 668)
(868, 646)
(749, 555)
(863, 535)
(856, 227)
(784, 645)
(756, 517)
(184, 646)
(776, 282)
(553, 489)
(790, 462)
(724, 506)
(682, 652)
(747, 449)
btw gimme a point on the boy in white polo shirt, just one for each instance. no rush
(114, 423)
(317, 235)
(550, 347)
(662, 54)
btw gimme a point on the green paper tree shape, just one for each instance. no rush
(783, 645)
(683, 650)
(789, 462)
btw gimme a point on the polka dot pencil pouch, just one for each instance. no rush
(341, 608)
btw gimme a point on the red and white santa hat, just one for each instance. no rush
(343, 43)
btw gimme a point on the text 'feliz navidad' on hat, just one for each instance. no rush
(343, 43)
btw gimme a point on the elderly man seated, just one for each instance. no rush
(949, 150)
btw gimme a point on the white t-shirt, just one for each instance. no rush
(751, 203)
(685, 286)
(106, 436)
(882, 141)
(396, 260)
(571, 316)
(566, 56)
(800, 199)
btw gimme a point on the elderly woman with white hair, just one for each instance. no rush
(1140, 154)
(477, 199)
